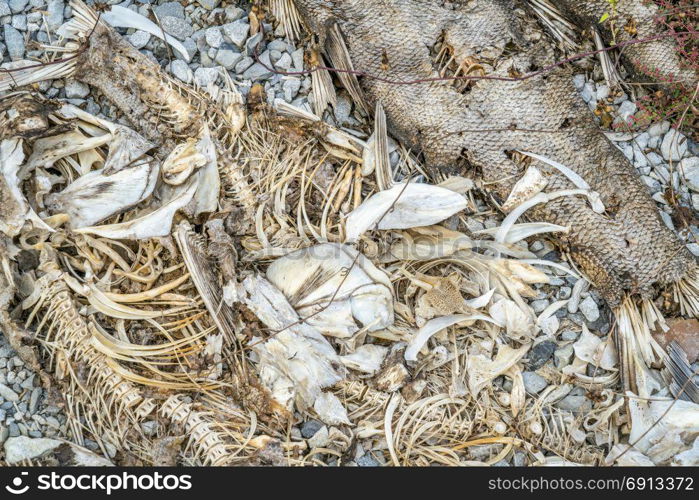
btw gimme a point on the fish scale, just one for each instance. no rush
(626, 249)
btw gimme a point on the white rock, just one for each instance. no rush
(674, 145)
(24, 448)
(667, 220)
(76, 89)
(237, 32)
(626, 109)
(658, 129)
(214, 38)
(8, 394)
(139, 39)
(204, 76)
(689, 167)
(181, 71)
(579, 81)
(589, 309)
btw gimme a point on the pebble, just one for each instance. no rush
(214, 37)
(227, 57)
(320, 439)
(540, 354)
(237, 32)
(626, 110)
(209, 4)
(244, 64)
(179, 28)
(659, 129)
(674, 145)
(172, 9)
(139, 39)
(569, 335)
(539, 305)
(25, 448)
(689, 168)
(4, 9)
(8, 394)
(14, 42)
(19, 22)
(204, 76)
(533, 382)
(257, 72)
(181, 71)
(575, 404)
(367, 460)
(75, 89)
(18, 5)
(564, 356)
(589, 309)
(309, 428)
(588, 92)
(55, 10)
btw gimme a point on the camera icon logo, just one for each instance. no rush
(16, 488)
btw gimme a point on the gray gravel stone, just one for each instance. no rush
(173, 9)
(25, 448)
(575, 404)
(540, 354)
(209, 4)
(179, 28)
(563, 356)
(626, 110)
(367, 460)
(4, 8)
(674, 145)
(14, 42)
(309, 428)
(55, 11)
(689, 167)
(533, 382)
(139, 39)
(589, 309)
(257, 72)
(227, 57)
(19, 22)
(8, 394)
(18, 5)
(76, 90)
(237, 32)
(659, 129)
(204, 76)
(214, 37)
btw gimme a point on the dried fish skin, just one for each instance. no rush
(452, 128)
(24, 115)
(336, 284)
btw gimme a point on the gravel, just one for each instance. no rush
(540, 354)
(533, 382)
(14, 42)
(179, 28)
(237, 32)
(309, 428)
(589, 309)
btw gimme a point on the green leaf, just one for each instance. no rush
(604, 17)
